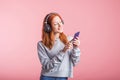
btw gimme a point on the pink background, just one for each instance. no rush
(20, 30)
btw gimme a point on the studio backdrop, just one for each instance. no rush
(97, 20)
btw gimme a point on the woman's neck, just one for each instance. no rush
(57, 35)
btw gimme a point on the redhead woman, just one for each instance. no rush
(58, 53)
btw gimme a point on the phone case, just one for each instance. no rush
(76, 34)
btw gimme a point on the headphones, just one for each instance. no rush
(47, 27)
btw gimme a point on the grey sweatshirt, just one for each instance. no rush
(56, 63)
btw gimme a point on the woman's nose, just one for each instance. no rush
(60, 24)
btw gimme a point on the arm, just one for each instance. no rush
(75, 52)
(46, 62)
(75, 56)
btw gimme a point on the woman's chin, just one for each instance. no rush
(60, 31)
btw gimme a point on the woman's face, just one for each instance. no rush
(57, 25)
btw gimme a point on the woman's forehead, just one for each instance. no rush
(56, 19)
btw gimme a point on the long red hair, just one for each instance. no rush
(48, 39)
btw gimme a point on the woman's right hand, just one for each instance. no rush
(69, 45)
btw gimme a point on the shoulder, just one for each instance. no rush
(39, 43)
(40, 46)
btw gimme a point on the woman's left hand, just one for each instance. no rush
(76, 42)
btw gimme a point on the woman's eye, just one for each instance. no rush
(60, 22)
(55, 24)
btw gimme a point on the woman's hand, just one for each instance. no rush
(67, 46)
(76, 42)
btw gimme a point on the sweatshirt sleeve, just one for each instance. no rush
(74, 53)
(48, 63)
(75, 56)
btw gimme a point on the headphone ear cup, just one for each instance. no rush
(47, 28)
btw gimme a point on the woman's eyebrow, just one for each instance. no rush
(57, 21)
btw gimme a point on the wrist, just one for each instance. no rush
(63, 50)
(75, 46)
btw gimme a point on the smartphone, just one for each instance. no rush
(76, 34)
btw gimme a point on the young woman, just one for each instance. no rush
(57, 52)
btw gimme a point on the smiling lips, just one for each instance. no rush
(60, 28)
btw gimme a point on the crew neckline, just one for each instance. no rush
(57, 39)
